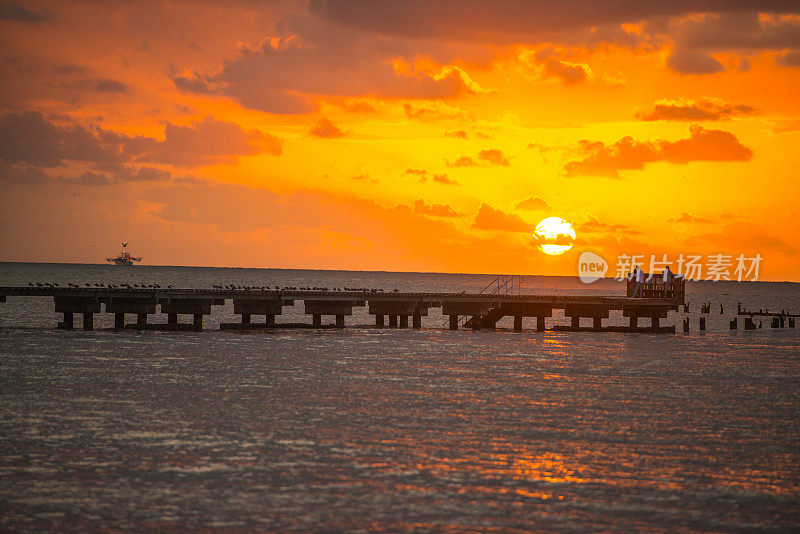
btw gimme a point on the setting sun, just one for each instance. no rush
(554, 236)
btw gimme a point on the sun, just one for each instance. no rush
(554, 236)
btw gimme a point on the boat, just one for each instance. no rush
(124, 257)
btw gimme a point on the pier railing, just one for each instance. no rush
(655, 288)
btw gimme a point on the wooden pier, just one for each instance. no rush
(483, 311)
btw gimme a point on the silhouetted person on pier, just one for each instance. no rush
(667, 276)
(638, 276)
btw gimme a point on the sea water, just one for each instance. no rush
(389, 430)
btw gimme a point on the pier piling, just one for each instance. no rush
(540, 324)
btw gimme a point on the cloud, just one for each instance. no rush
(491, 156)
(494, 156)
(312, 58)
(29, 138)
(707, 109)
(701, 145)
(325, 128)
(98, 85)
(790, 59)
(434, 111)
(443, 179)
(741, 238)
(506, 21)
(744, 30)
(489, 218)
(424, 175)
(435, 210)
(107, 85)
(532, 204)
(202, 143)
(569, 73)
(594, 226)
(686, 218)
(123, 173)
(14, 11)
(752, 29)
(22, 174)
(463, 161)
(459, 134)
(693, 62)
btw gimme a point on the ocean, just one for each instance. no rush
(393, 430)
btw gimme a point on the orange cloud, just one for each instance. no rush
(494, 156)
(436, 210)
(702, 145)
(687, 218)
(325, 128)
(491, 156)
(569, 73)
(707, 109)
(489, 218)
(532, 204)
(424, 175)
(203, 143)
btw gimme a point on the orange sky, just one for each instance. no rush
(410, 135)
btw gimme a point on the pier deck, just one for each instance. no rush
(482, 310)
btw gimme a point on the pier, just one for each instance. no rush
(329, 309)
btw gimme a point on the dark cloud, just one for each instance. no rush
(315, 58)
(693, 62)
(325, 128)
(513, 20)
(107, 85)
(203, 143)
(790, 59)
(489, 218)
(435, 210)
(569, 73)
(701, 145)
(16, 12)
(740, 30)
(532, 204)
(744, 30)
(22, 174)
(707, 109)
(29, 138)
(99, 85)
(30, 143)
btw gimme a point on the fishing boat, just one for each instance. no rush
(124, 257)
